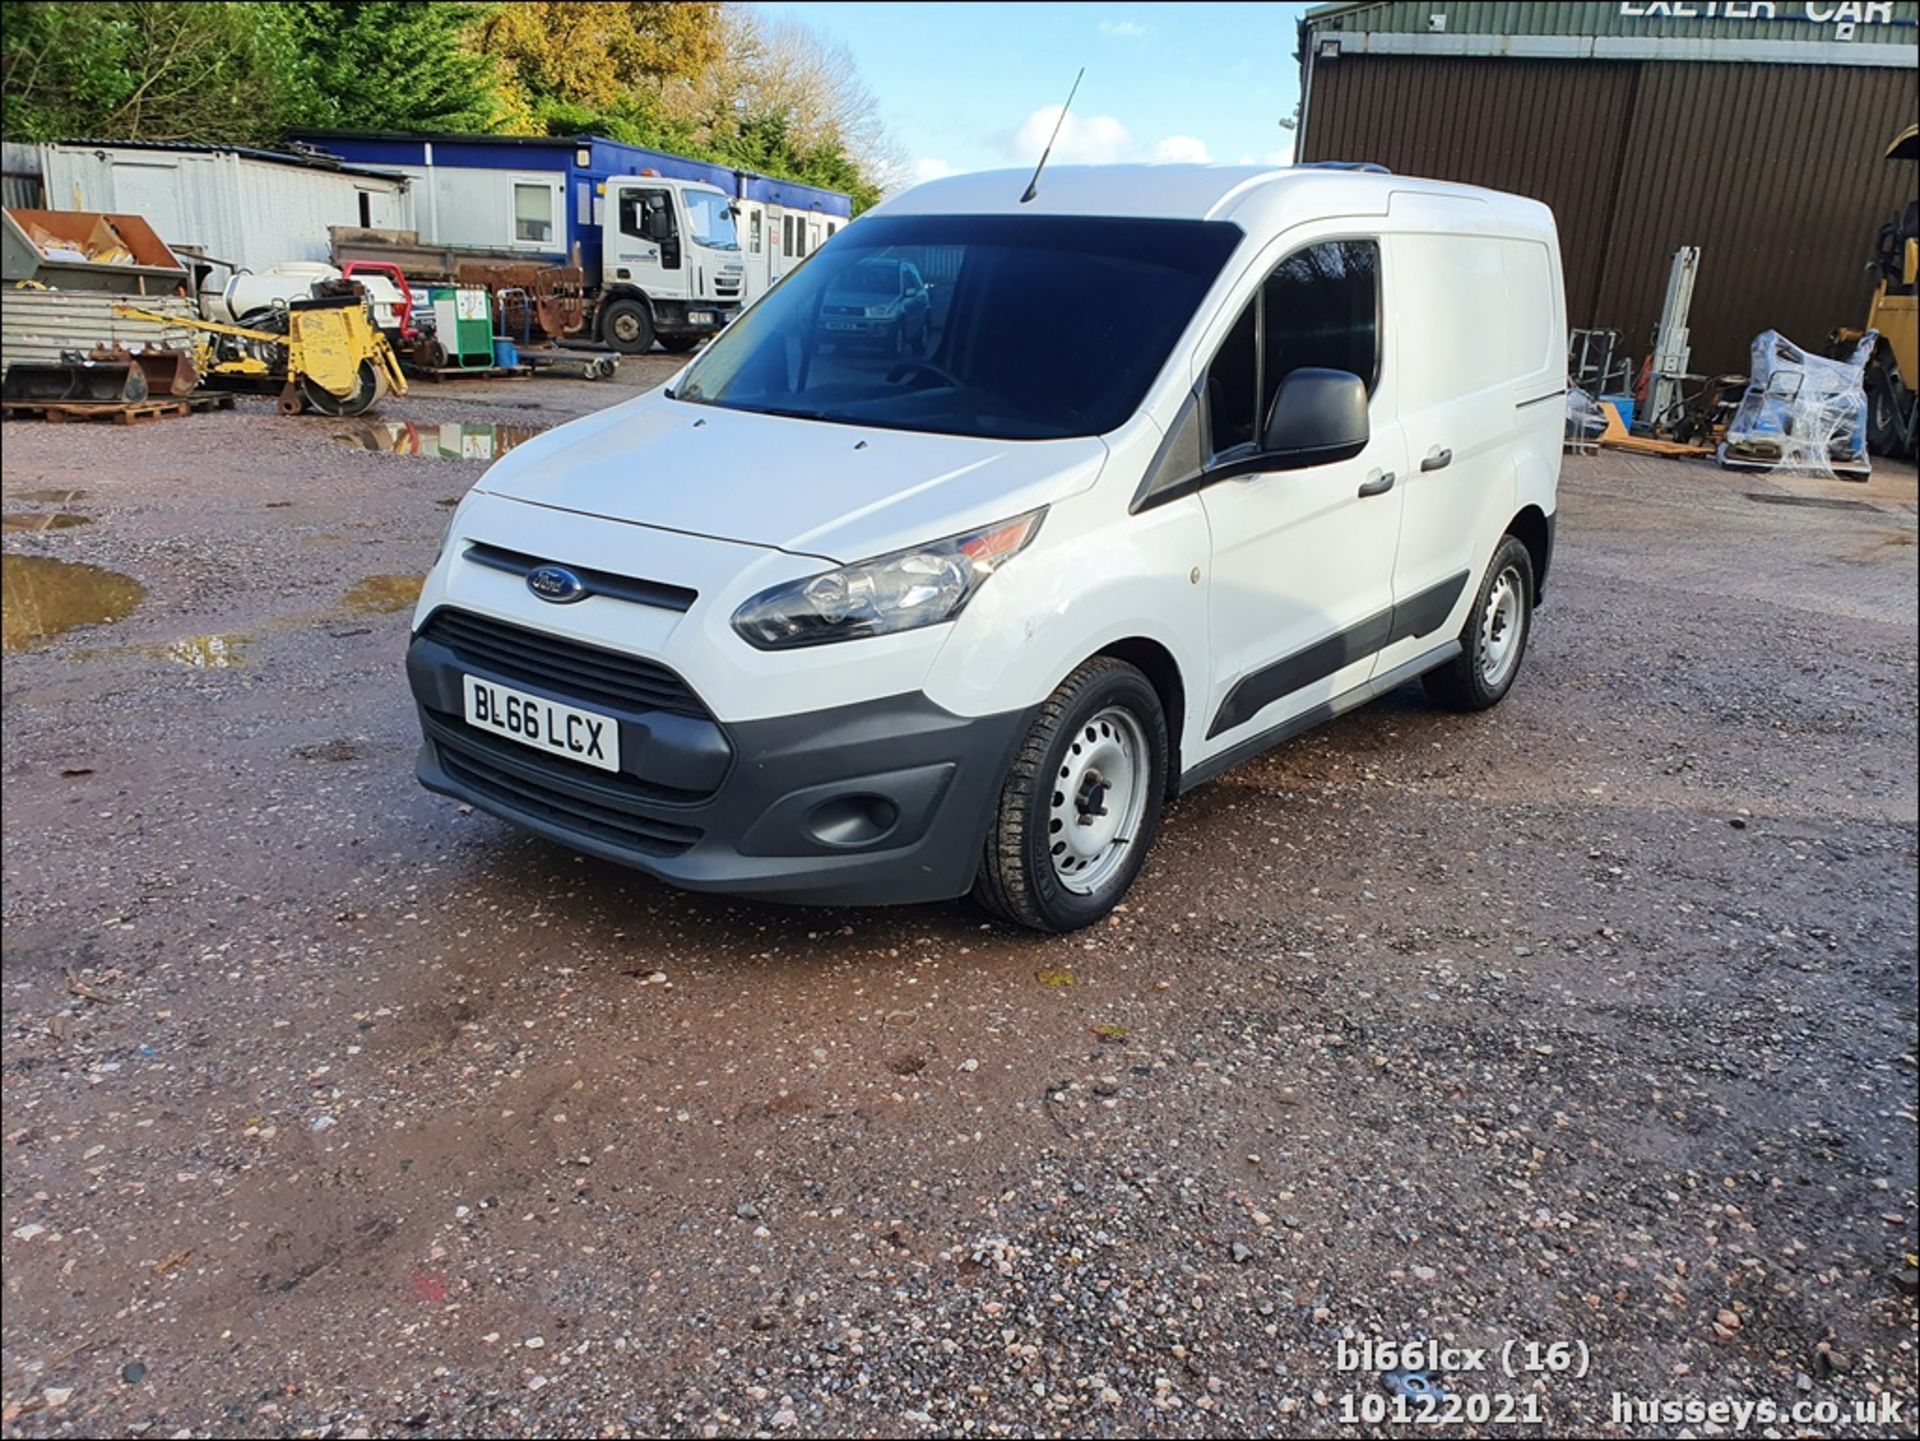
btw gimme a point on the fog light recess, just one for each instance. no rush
(852, 820)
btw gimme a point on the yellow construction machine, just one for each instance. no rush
(325, 354)
(1893, 370)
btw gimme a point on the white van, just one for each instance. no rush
(1185, 460)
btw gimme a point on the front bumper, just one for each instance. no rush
(675, 317)
(881, 802)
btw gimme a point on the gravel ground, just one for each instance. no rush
(332, 1110)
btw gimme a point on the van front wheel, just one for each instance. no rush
(1494, 639)
(1081, 805)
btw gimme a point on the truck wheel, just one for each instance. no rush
(1494, 638)
(680, 344)
(1081, 805)
(628, 326)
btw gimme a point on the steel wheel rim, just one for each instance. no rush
(1099, 799)
(1501, 623)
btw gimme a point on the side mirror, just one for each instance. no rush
(1319, 416)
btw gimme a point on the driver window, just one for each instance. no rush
(1317, 307)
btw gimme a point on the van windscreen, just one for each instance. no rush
(1018, 327)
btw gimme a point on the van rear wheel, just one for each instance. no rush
(1081, 805)
(1494, 639)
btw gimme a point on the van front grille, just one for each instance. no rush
(587, 673)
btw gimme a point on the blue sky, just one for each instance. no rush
(977, 86)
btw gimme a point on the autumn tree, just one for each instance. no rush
(612, 68)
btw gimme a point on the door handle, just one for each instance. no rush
(1379, 483)
(1437, 459)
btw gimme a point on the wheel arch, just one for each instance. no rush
(1533, 528)
(1157, 664)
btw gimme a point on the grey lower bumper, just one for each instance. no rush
(884, 802)
(675, 317)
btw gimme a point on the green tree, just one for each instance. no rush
(143, 71)
(390, 65)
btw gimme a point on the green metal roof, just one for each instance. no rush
(1805, 21)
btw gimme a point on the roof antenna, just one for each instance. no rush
(1033, 185)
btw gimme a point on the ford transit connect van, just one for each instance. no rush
(1171, 464)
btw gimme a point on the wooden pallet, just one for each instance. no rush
(120, 412)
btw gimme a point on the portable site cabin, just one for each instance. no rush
(255, 208)
(542, 195)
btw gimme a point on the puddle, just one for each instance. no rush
(59, 520)
(378, 594)
(451, 440)
(202, 652)
(46, 597)
(51, 497)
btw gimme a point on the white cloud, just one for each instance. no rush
(1182, 150)
(1084, 139)
(1097, 140)
(1123, 29)
(930, 167)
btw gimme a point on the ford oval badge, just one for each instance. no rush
(556, 583)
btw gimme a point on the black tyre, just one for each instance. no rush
(628, 326)
(369, 386)
(680, 344)
(1890, 419)
(1081, 805)
(1494, 639)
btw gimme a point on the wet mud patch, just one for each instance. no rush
(382, 594)
(47, 597)
(22, 520)
(202, 652)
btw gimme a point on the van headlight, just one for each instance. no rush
(922, 585)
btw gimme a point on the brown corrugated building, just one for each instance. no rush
(1753, 130)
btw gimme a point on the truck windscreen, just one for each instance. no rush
(1020, 327)
(711, 216)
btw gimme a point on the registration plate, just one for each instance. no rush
(700, 317)
(843, 325)
(545, 725)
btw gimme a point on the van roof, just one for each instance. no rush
(1258, 196)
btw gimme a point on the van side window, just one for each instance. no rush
(1233, 384)
(1322, 309)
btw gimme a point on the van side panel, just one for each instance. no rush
(1538, 289)
(1456, 405)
